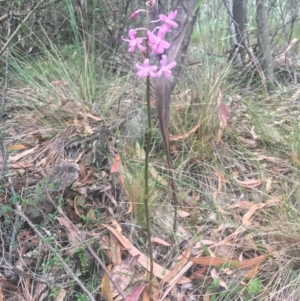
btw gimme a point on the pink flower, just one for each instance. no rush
(134, 41)
(164, 68)
(168, 20)
(157, 43)
(135, 13)
(146, 69)
(165, 28)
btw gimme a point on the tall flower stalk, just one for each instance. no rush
(153, 43)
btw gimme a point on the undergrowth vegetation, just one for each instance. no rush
(238, 182)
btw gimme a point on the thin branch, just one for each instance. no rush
(34, 9)
(115, 284)
(62, 261)
(25, 12)
(146, 195)
(2, 145)
(5, 84)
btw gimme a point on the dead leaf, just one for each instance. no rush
(16, 147)
(93, 117)
(251, 183)
(255, 207)
(242, 204)
(116, 164)
(199, 274)
(221, 179)
(223, 118)
(254, 135)
(61, 295)
(1, 294)
(270, 159)
(220, 176)
(20, 165)
(160, 241)
(59, 82)
(118, 228)
(91, 217)
(178, 267)
(88, 175)
(185, 135)
(292, 44)
(233, 264)
(106, 287)
(23, 154)
(183, 214)
(156, 176)
(143, 260)
(115, 248)
(214, 274)
(146, 296)
(207, 295)
(88, 129)
(7, 285)
(253, 272)
(141, 155)
(122, 183)
(71, 234)
(135, 294)
(122, 274)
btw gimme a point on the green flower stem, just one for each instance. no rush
(146, 196)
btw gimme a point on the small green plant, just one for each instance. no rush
(254, 287)
(234, 292)
(55, 292)
(81, 297)
(5, 210)
(83, 259)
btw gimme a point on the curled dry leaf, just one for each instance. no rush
(161, 241)
(143, 260)
(233, 264)
(106, 287)
(183, 213)
(255, 207)
(93, 117)
(187, 134)
(23, 154)
(135, 294)
(252, 183)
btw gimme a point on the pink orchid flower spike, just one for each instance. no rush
(168, 20)
(165, 68)
(134, 41)
(146, 69)
(157, 42)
